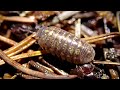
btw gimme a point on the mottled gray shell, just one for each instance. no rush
(65, 45)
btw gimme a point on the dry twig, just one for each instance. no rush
(18, 19)
(7, 40)
(58, 71)
(21, 46)
(33, 72)
(27, 76)
(23, 55)
(41, 67)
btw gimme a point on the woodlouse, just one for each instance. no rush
(65, 45)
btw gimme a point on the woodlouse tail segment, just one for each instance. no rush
(65, 45)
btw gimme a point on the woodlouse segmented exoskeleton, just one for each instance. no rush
(65, 45)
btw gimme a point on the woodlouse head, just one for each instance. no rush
(86, 54)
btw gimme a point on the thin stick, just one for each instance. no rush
(78, 28)
(106, 62)
(23, 55)
(18, 19)
(33, 72)
(27, 76)
(84, 15)
(64, 15)
(7, 40)
(58, 71)
(41, 67)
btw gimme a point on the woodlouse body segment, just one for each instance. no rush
(65, 45)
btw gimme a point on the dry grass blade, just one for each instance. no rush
(33, 72)
(7, 40)
(21, 46)
(23, 55)
(41, 67)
